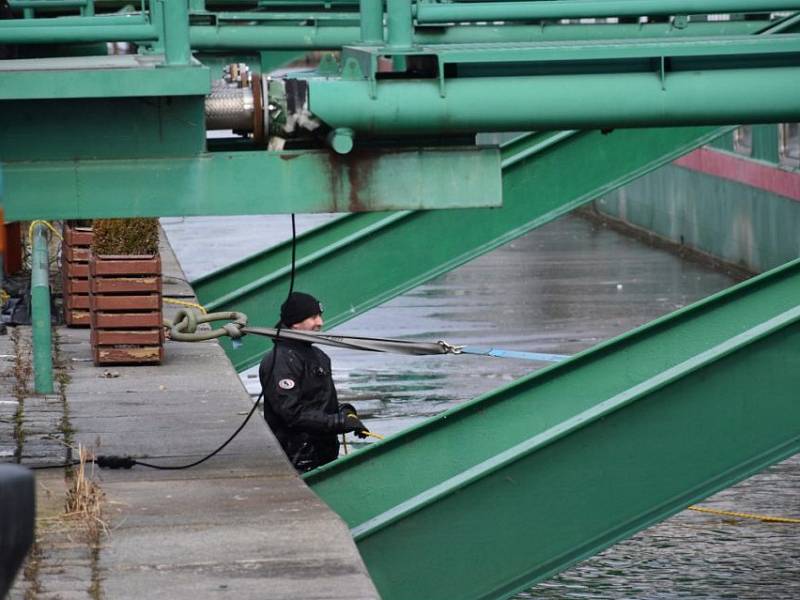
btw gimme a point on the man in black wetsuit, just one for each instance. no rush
(300, 404)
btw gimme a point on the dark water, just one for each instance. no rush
(561, 289)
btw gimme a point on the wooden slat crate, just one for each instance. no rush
(75, 253)
(126, 314)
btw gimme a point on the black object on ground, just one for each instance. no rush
(17, 497)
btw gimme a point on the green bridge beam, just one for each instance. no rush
(333, 34)
(345, 262)
(326, 35)
(564, 463)
(211, 184)
(456, 12)
(560, 85)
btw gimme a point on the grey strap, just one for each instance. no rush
(356, 343)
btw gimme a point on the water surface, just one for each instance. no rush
(560, 289)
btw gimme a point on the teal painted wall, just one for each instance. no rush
(731, 221)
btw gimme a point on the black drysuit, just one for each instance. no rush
(300, 404)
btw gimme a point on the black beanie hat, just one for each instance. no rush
(298, 307)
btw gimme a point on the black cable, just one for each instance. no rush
(255, 405)
(202, 460)
(126, 462)
(294, 254)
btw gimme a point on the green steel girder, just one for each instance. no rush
(279, 182)
(118, 76)
(549, 102)
(558, 85)
(460, 12)
(332, 35)
(737, 48)
(309, 29)
(562, 464)
(345, 262)
(72, 130)
(92, 29)
(326, 30)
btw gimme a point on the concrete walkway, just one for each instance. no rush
(241, 525)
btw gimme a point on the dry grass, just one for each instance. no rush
(137, 236)
(84, 500)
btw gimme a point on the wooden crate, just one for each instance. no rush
(75, 253)
(125, 305)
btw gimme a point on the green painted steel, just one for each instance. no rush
(122, 76)
(52, 4)
(269, 37)
(331, 30)
(40, 312)
(212, 184)
(73, 21)
(548, 102)
(176, 31)
(371, 16)
(562, 464)
(224, 286)
(574, 9)
(345, 262)
(119, 129)
(325, 35)
(399, 25)
(690, 53)
(75, 33)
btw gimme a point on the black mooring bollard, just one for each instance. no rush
(17, 518)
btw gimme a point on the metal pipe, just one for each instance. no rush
(73, 21)
(371, 21)
(326, 37)
(574, 9)
(273, 37)
(40, 312)
(555, 102)
(175, 15)
(77, 34)
(399, 24)
(230, 108)
(59, 4)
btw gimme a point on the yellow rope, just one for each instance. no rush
(185, 303)
(344, 443)
(741, 515)
(377, 436)
(47, 224)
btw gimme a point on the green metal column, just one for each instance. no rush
(399, 24)
(177, 50)
(559, 465)
(40, 312)
(371, 21)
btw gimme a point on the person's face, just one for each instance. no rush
(310, 324)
